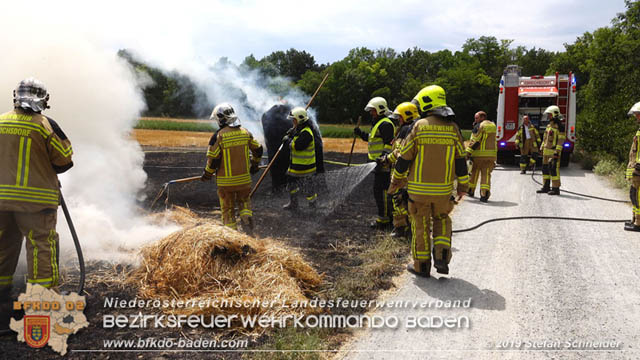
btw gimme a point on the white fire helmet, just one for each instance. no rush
(31, 94)
(379, 104)
(225, 115)
(635, 109)
(299, 114)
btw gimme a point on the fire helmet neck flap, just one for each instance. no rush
(225, 115)
(31, 94)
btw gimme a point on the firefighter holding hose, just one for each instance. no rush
(379, 142)
(633, 173)
(233, 156)
(34, 150)
(483, 150)
(302, 163)
(434, 156)
(551, 148)
(527, 140)
(404, 114)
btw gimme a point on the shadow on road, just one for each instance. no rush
(493, 203)
(444, 288)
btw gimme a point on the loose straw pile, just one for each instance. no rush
(207, 261)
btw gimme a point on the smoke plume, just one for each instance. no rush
(95, 100)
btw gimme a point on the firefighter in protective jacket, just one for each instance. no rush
(527, 140)
(434, 156)
(482, 150)
(302, 164)
(404, 114)
(551, 148)
(633, 174)
(33, 151)
(379, 141)
(228, 157)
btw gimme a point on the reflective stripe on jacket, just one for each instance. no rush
(634, 157)
(376, 143)
(31, 151)
(232, 147)
(553, 140)
(303, 162)
(483, 143)
(434, 148)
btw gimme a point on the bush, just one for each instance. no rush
(606, 167)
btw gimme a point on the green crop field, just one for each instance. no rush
(175, 125)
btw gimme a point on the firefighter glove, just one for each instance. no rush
(291, 131)
(254, 168)
(556, 156)
(206, 176)
(286, 139)
(357, 131)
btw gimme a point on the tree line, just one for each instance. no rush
(604, 62)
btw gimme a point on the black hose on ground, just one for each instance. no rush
(537, 217)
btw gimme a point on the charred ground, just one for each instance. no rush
(333, 242)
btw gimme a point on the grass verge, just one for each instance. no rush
(377, 264)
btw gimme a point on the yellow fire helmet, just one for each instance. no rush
(635, 109)
(429, 98)
(406, 112)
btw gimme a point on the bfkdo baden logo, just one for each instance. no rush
(36, 330)
(49, 318)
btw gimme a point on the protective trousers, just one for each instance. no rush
(634, 194)
(482, 169)
(423, 211)
(230, 196)
(381, 182)
(304, 185)
(42, 246)
(400, 213)
(550, 172)
(528, 154)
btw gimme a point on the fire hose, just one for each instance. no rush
(549, 217)
(76, 242)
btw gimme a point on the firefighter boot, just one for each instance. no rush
(631, 227)
(471, 192)
(293, 203)
(424, 268)
(247, 226)
(545, 188)
(485, 198)
(523, 171)
(554, 191)
(400, 232)
(441, 265)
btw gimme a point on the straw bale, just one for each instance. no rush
(208, 261)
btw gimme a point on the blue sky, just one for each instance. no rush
(177, 33)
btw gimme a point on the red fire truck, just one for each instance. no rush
(531, 95)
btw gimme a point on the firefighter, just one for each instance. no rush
(379, 140)
(434, 156)
(482, 150)
(34, 150)
(404, 114)
(302, 163)
(633, 174)
(228, 158)
(527, 140)
(551, 148)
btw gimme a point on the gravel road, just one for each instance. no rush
(539, 289)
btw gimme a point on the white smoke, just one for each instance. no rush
(95, 100)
